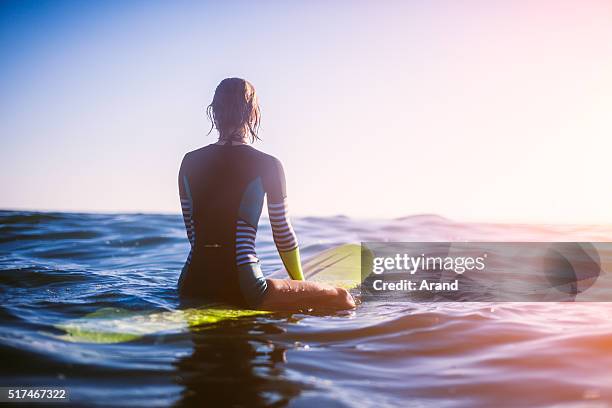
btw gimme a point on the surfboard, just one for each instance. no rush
(338, 266)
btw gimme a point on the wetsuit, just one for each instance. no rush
(222, 189)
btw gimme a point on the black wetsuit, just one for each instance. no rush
(222, 189)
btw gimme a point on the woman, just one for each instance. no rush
(222, 188)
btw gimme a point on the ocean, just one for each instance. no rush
(58, 267)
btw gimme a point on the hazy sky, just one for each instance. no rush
(474, 110)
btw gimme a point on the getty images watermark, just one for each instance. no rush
(487, 271)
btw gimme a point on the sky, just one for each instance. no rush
(494, 111)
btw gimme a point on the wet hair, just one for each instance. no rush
(233, 108)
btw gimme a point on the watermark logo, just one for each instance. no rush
(477, 271)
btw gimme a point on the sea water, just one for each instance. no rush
(55, 267)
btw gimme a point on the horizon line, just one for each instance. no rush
(177, 213)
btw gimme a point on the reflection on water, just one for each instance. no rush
(59, 267)
(235, 364)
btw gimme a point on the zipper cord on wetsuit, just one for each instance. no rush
(230, 139)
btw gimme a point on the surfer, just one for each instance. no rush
(222, 188)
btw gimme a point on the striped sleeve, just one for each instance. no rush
(245, 243)
(282, 231)
(187, 206)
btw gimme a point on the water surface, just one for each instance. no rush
(55, 267)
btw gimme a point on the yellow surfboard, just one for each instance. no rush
(339, 266)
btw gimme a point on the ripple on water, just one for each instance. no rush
(58, 267)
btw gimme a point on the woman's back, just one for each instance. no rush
(222, 189)
(221, 178)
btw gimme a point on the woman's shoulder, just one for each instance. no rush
(199, 150)
(200, 153)
(267, 158)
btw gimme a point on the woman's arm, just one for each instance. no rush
(282, 230)
(295, 294)
(186, 203)
(285, 238)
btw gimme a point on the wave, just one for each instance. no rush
(58, 267)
